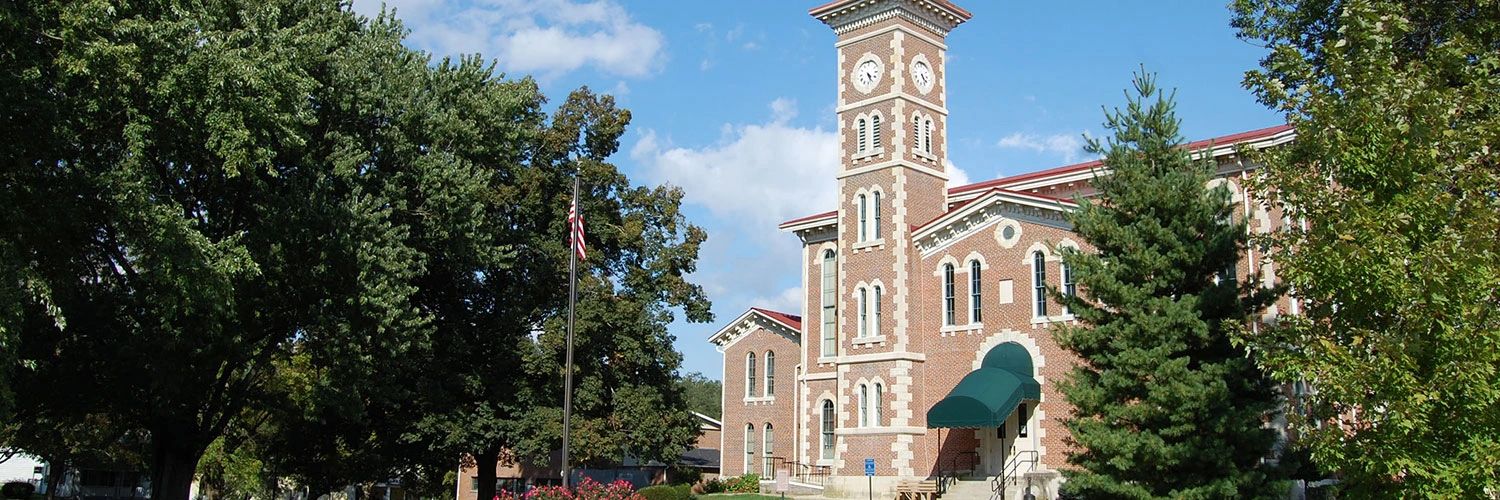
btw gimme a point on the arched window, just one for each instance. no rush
(864, 220)
(864, 312)
(768, 442)
(875, 132)
(1039, 284)
(916, 133)
(875, 207)
(830, 305)
(864, 405)
(1069, 287)
(827, 430)
(749, 447)
(770, 374)
(862, 135)
(948, 294)
(879, 415)
(927, 135)
(875, 318)
(975, 299)
(750, 375)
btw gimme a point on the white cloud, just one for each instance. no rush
(544, 37)
(788, 301)
(751, 179)
(956, 176)
(1069, 146)
(758, 175)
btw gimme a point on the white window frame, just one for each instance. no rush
(827, 426)
(749, 374)
(1038, 284)
(769, 377)
(864, 401)
(749, 447)
(829, 284)
(976, 295)
(949, 301)
(862, 304)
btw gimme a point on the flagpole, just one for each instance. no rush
(572, 300)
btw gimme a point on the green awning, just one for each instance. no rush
(987, 396)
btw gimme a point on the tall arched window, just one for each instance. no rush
(864, 405)
(875, 132)
(749, 447)
(879, 415)
(830, 305)
(916, 133)
(864, 312)
(767, 444)
(975, 295)
(1039, 284)
(875, 207)
(827, 430)
(770, 374)
(875, 318)
(1069, 287)
(927, 135)
(750, 375)
(948, 294)
(864, 220)
(862, 135)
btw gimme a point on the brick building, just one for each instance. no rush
(925, 341)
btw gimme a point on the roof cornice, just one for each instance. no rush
(938, 16)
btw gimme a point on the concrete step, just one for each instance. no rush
(969, 489)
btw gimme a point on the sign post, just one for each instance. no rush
(870, 477)
(783, 481)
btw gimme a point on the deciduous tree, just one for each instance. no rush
(1393, 254)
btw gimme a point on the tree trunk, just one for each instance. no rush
(56, 471)
(486, 462)
(174, 463)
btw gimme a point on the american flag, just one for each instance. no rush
(575, 229)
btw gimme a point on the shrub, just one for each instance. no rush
(587, 490)
(664, 492)
(714, 485)
(748, 483)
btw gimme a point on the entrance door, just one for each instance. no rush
(1001, 446)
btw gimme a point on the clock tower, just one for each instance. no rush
(892, 117)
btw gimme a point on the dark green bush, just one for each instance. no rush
(665, 492)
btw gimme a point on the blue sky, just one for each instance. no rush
(733, 101)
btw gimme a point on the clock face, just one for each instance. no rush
(921, 74)
(867, 74)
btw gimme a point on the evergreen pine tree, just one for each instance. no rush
(1166, 406)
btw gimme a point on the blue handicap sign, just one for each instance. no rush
(869, 466)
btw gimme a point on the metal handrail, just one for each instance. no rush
(949, 475)
(1012, 470)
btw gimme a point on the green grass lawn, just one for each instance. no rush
(741, 496)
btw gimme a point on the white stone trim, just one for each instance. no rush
(882, 356)
(917, 99)
(892, 163)
(882, 31)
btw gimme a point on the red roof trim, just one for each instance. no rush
(1078, 167)
(830, 213)
(790, 320)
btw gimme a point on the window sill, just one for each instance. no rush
(923, 155)
(869, 243)
(1038, 320)
(867, 154)
(869, 340)
(760, 399)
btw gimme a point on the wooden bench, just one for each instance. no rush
(916, 490)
